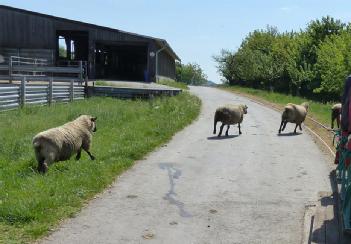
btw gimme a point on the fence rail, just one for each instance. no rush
(39, 69)
(22, 94)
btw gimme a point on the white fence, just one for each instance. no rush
(23, 93)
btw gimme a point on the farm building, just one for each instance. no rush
(109, 53)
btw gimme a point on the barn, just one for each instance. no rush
(108, 53)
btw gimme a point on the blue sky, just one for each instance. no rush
(196, 30)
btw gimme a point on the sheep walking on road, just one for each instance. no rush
(229, 115)
(60, 143)
(293, 114)
(336, 115)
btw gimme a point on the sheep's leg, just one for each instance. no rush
(215, 125)
(220, 130)
(79, 153)
(43, 166)
(332, 121)
(281, 125)
(300, 127)
(338, 121)
(295, 128)
(86, 147)
(285, 122)
(40, 165)
(226, 133)
(239, 129)
(90, 155)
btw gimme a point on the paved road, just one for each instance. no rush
(251, 188)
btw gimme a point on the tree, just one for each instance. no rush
(333, 63)
(191, 74)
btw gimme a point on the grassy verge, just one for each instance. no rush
(174, 84)
(32, 204)
(101, 83)
(319, 111)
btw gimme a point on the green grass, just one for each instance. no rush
(101, 83)
(30, 203)
(319, 111)
(174, 84)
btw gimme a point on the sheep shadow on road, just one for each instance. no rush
(221, 137)
(290, 134)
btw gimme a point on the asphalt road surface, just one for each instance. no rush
(198, 188)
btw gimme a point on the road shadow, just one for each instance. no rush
(221, 137)
(331, 230)
(290, 134)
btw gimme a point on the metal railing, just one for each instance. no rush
(343, 177)
(19, 95)
(15, 62)
(38, 69)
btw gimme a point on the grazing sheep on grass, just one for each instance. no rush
(229, 115)
(336, 115)
(60, 143)
(293, 114)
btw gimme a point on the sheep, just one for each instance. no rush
(229, 115)
(2, 59)
(60, 143)
(336, 115)
(294, 114)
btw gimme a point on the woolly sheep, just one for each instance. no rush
(60, 143)
(229, 115)
(335, 115)
(293, 114)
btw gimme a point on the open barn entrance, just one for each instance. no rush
(71, 46)
(121, 62)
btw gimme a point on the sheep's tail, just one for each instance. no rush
(215, 123)
(36, 145)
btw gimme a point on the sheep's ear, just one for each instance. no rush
(93, 119)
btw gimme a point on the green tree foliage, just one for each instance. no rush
(312, 62)
(191, 74)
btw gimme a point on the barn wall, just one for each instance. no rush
(166, 65)
(31, 34)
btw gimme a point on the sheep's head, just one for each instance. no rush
(244, 107)
(88, 121)
(305, 104)
(93, 123)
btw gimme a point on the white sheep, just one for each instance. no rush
(229, 115)
(60, 143)
(336, 114)
(294, 114)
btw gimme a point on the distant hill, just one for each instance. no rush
(211, 83)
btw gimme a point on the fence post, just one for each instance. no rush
(81, 72)
(51, 90)
(23, 91)
(71, 91)
(10, 70)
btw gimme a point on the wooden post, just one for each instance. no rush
(86, 87)
(71, 91)
(23, 92)
(51, 90)
(81, 72)
(10, 70)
